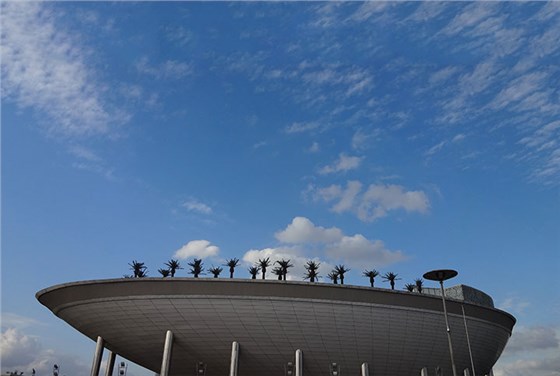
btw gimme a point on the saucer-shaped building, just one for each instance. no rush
(334, 327)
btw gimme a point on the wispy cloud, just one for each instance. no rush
(301, 127)
(373, 203)
(196, 206)
(45, 67)
(169, 69)
(342, 164)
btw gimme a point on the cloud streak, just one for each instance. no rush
(45, 69)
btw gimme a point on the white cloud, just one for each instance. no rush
(343, 163)
(375, 202)
(45, 67)
(296, 256)
(18, 348)
(434, 149)
(197, 249)
(358, 251)
(24, 352)
(301, 127)
(459, 137)
(83, 152)
(314, 148)
(469, 17)
(169, 69)
(379, 199)
(302, 230)
(12, 320)
(534, 367)
(514, 304)
(363, 140)
(532, 338)
(194, 205)
(333, 245)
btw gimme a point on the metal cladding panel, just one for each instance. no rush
(395, 340)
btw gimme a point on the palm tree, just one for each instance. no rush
(139, 269)
(215, 270)
(232, 263)
(410, 287)
(264, 263)
(196, 267)
(371, 274)
(173, 266)
(278, 271)
(164, 272)
(285, 265)
(391, 277)
(419, 283)
(340, 270)
(254, 270)
(333, 276)
(311, 267)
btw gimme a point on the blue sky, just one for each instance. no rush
(398, 136)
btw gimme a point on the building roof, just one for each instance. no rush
(396, 332)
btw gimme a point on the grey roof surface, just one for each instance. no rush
(396, 332)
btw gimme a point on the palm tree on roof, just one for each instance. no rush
(215, 270)
(419, 283)
(139, 269)
(173, 266)
(164, 272)
(371, 274)
(391, 278)
(278, 271)
(254, 270)
(311, 268)
(264, 263)
(196, 267)
(333, 276)
(410, 287)
(232, 263)
(340, 270)
(285, 265)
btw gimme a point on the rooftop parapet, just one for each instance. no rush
(463, 292)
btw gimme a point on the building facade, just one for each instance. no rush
(278, 327)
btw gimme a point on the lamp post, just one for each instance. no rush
(440, 276)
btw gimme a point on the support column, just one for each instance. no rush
(110, 364)
(97, 357)
(424, 372)
(466, 372)
(365, 369)
(234, 359)
(299, 363)
(167, 353)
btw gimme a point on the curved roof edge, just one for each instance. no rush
(56, 296)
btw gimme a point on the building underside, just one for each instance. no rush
(396, 333)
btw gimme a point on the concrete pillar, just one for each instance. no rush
(299, 363)
(167, 353)
(424, 372)
(97, 357)
(234, 359)
(365, 369)
(110, 364)
(466, 372)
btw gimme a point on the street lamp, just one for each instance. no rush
(440, 276)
